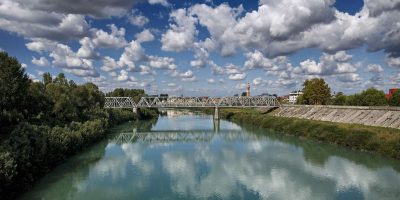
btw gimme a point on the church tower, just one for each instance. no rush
(248, 89)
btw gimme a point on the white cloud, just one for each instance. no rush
(172, 85)
(97, 9)
(134, 52)
(187, 74)
(42, 61)
(353, 77)
(257, 81)
(123, 76)
(329, 64)
(144, 70)
(144, 36)
(180, 35)
(211, 81)
(109, 64)
(66, 59)
(162, 2)
(374, 68)
(393, 62)
(137, 18)
(237, 77)
(115, 39)
(18, 18)
(240, 86)
(87, 49)
(157, 62)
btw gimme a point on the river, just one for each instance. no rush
(185, 155)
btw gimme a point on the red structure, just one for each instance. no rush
(391, 91)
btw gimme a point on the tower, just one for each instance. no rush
(248, 89)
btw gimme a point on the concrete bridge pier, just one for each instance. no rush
(216, 115)
(216, 125)
(134, 109)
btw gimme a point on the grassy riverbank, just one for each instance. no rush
(32, 150)
(384, 141)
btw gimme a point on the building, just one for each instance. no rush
(294, 95)
(248, 89)
(391, 92)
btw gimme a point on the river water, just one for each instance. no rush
(185, 155)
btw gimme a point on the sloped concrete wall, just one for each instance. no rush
(371, 116)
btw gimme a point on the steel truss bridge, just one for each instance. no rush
(182, 136)
(192, 102)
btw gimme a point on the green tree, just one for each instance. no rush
(339, 99)
(395, 99)
(373, 97)
(47, 78)
(316, 92)
(14, 84)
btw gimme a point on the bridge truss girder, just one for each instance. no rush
(191, 102)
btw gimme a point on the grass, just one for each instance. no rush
(384, 141)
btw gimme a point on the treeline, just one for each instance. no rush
(42, 123)
(317, 92)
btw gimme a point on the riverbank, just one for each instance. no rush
(384, 141)
(30, 151)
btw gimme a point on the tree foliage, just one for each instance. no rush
(14, 84)
(42, 123)
(395, 99)
(316, 92)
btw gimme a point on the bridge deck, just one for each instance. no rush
(190, 102)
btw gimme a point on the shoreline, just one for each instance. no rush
(379, 140)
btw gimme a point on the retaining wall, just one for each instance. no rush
(371, 116)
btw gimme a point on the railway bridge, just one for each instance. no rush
(192, 102)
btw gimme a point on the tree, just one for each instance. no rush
(316, 92)
(339, 99)
(47, 78)
(395, 99)
(373, 97)
(14, 84)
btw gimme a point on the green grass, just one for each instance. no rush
(384, 141)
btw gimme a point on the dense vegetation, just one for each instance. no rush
(42, 123)
(317, 92)
(385, 141)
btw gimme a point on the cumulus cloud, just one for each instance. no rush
(38, 24)
(161, 2)
(237, 77)
(181, 34)
(137, 18)
(329, 64)
(93, 8)
(144, 36)
(87, 49)
(109, 64)
(188, 76)
(162, 62)
(132, 53)
(257, 81)
(42, 61)
(211, 81)
(115, 39)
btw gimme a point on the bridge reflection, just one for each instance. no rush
(183, 136)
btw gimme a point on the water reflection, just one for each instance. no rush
(163, 161)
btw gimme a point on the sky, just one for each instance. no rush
(207, 47)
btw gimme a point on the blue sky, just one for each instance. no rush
(207, 48)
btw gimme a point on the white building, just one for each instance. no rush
(294, 95)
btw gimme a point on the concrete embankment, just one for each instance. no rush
(371, 116)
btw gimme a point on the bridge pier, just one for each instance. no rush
(216, 125)
(216, 115)
(134, 109)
